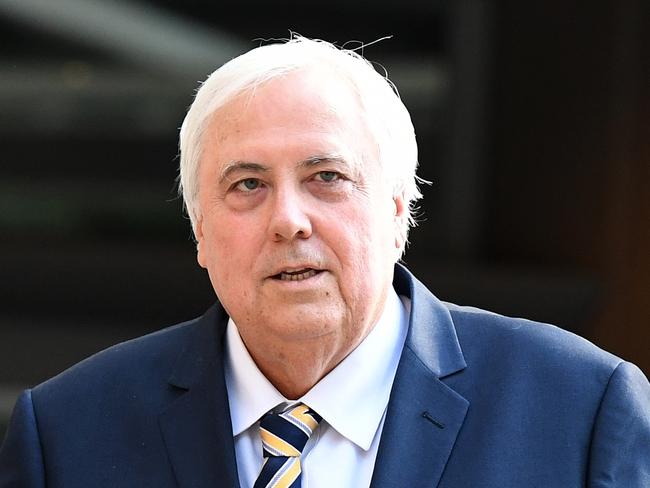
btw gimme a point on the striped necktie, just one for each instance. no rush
(284, 436)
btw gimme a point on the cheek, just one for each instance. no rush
(364, 227)
(360, 250)
(231, 259)
(229, 247)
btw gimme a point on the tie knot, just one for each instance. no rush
(285, 434)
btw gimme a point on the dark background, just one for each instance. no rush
(532, 120)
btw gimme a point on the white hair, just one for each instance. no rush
(387, 119)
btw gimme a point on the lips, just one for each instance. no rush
(297, 275)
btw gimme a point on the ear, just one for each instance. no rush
(200, 243)
(401, 208)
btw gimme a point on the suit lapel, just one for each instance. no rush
(196, 427)
(424, 415)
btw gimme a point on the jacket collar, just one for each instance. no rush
(196, 427)
(424, 415)
(432, 335)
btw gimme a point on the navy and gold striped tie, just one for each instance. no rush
(284, 436)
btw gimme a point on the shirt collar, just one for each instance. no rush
(250, 394)
(352, 398)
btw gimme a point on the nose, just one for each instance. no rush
(289, 219)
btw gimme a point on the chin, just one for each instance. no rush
(302, 326)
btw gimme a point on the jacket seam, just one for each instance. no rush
(38, 434)
(596, 417)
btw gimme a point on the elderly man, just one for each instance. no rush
(325, 363)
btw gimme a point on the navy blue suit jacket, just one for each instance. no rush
(479, 400)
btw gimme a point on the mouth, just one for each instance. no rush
(297, 275)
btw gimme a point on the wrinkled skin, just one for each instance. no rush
(290, 182)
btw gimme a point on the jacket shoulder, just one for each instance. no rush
(516, 342)
(499, 329)
(135, 372)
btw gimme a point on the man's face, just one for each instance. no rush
(297, 228)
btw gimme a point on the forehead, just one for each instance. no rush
(308, 102)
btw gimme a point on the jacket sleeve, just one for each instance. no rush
(620, 449)
(21, 460)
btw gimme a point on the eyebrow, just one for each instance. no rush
(323, 158)
(234, 166)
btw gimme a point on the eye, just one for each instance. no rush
(248, 185)
(328, 176)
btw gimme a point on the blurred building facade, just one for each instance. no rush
(532, 123)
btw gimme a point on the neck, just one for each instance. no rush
(293, 368)
(298, 356)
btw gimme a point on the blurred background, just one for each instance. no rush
(532, 120)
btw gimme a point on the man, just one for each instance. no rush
(298, 172)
